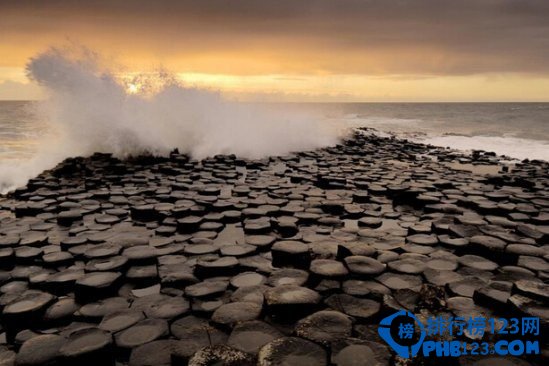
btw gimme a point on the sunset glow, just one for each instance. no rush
(300, 52)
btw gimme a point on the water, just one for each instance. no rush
(20, 130)
(519, 130)
(522, 120)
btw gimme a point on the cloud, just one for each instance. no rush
(375, 37)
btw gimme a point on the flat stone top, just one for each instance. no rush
(290, 246)
(291, 294)
(28, 302)
(85, 341)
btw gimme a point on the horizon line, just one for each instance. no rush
(352, 102)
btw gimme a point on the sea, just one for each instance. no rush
(517, 130)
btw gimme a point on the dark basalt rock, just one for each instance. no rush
(494, 295)
(167, 307)
(362, 265)
(488, 244)
(102, 251)
(97, 310)
(189, 224)
(7, 257)
(67, 218)
(157, 353)
(292, 351)
(224, 266)
(260, 226)
(143, 213)
(110, 264)
(364, 288)
(200, 249)
(328, 268)
(466, 286)
(386, 256)
(288, 276)
(318, 244)
(61, 311)
(355, 351)
(497, 361)
(463, 306)
(97, 285)
(400, 281)
(463, 231)
(291, 301)
(57, 259)
(324, 326)
(195, 334)
(221, 355)
(88, 347)
(363, 309)
(236, 312)
(441, 264)
(142, 275)
(526, 306)
(117, 321)
(141, 254)
(261, 241)
(24, 336)
(533, 263)
(28, 255)
(40, 350)
(141, 332)
(247, 279)
(422, 239)
(206, 307)
(33, 239)
(250, 336)
(361, 197)
(407, 265)
(206, 289)
(517, 250)
(441, 277)
(476, 262)
(25, 311)
(532, 289)
(354, 248)
(372, 222)
(249, 294)
(291, 254)
(241, 250)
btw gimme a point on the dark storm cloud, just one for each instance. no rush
(406, 37)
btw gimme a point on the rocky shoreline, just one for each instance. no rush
(283, 261)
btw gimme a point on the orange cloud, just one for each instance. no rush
(424, 49)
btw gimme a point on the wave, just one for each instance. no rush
(90, 108)
(514, 147)
(438, 133)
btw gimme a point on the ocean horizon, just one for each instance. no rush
(517, 129)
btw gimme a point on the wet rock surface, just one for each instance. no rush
(287, 260)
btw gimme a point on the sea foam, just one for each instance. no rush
(91, 108)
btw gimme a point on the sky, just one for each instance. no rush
(288, 50)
